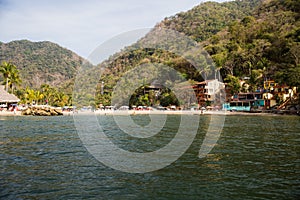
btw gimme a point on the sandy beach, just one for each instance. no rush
(148, 112)
(10, 113)
(166, 112)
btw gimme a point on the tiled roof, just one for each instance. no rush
(6, 97)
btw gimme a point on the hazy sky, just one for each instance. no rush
(82, 25)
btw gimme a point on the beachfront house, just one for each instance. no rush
(207, 91)
(7, 100)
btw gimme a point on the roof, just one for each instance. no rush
(5, 97)
(201, 83)
(207, 81)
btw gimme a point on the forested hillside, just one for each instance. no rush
(200, 24)
(257, 39)
(208, 18)
(265, 45)
(41, 62)
(254, 39)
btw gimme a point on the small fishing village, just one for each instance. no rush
(204, 104)
(269, 98)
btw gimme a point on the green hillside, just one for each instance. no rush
(41, 62)
(257, 39)
(200, 23)
(208, 18)
(264, 45)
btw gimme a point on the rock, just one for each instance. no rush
(55, 112)
(52, 112)
(59, 112)
(42, 111)
(26, 112)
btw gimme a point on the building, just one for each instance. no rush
(209, 91)
(7, 100)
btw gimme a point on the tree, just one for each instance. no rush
(168, 98)
(29, 96)
(233, 83)
(255, 77)
(60, 99)
(48, 93)
(39, 96)
(289, 76)
(10, 74)
(15, 80)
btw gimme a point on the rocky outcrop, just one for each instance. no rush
(42, 111)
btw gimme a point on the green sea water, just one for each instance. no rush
(256, 157)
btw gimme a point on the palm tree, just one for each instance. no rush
(38, 96)
(29, 95)
(48, 92)
(15, 80)
(60, 99)
(10, 74)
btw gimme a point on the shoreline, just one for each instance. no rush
(174, 112)
(10, 113)
(157, 112)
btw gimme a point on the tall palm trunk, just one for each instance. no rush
(7, 84)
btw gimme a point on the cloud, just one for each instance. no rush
(82, 25)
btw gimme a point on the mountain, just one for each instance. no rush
(256, 39)
(47, 62)
(245, 38)
(208, 18)
(261, 46)
(41, 62)
(199, 24)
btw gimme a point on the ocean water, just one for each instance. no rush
(256, 157)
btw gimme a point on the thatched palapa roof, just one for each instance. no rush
(5, 97)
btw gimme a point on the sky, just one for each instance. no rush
(82, 25)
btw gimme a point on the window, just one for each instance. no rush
(246, 104)
(233, 104)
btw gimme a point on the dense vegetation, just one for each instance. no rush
(44, 71)
(41, 62)
(208, 18)
(10, 75)
(262, 46)
(256, 39)
(43, 95)
(200, 23)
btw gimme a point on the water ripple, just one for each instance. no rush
(255, 158)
